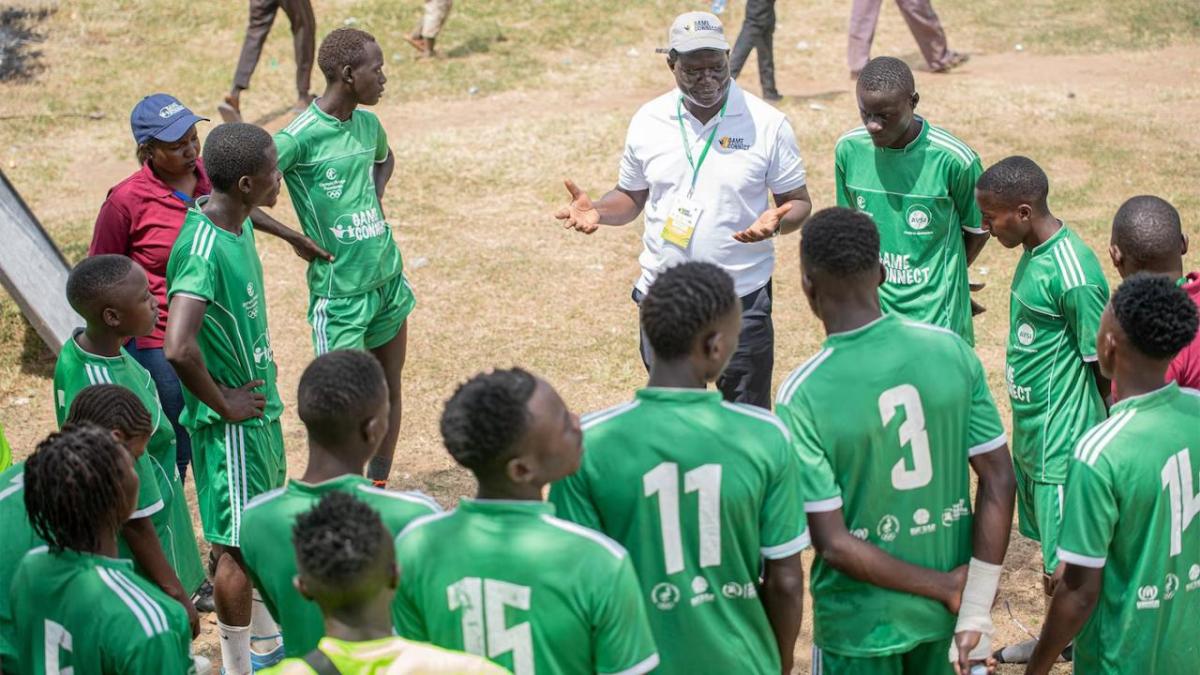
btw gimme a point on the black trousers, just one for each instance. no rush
(758, 33)
(747, 378)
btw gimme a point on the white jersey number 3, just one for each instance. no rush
(483, 602)
(912, 434)
(663, 480)
(1185, 504)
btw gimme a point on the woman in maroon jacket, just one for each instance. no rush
(141, 218)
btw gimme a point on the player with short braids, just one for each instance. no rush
(1156, 315)
(79, 596)
(232, 151)
(887, 73)
(840, 242)
(683, 301)
(486, 416)
(341, 48)
(111, 407)
(338, 540)
(73, 485)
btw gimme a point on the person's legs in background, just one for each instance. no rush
(262, 16)
(931, 38)
(170, 393)
(757, 34)
(304, 41)
(864, 14)
(747, 378)
(425, 35)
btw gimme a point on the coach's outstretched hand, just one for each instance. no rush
(766, 226)
(243, 403)
(309, 250)
(581, 213)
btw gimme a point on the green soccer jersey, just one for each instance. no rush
(93, 614)
(1058, 295)
(1132, 500)
(533, 593)
(887, 439)
(392, 656)
(16, 539)
(922, 198)
(329, 168)
(698, 491)
(222, 269)
(266, 545)
(77, 369)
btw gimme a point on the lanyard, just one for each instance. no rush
(687, 149)
(187, 201)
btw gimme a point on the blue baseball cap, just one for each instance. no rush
(161, 117)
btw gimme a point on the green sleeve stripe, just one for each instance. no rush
(1090, 447)
(148, 511)
(18, 482)
(984, 448)
(1080, 559)
(793, 381)
(422, 521)
(1068, 265)
(787, 549)
(758, 414)
(592, 419)
(823, 505)
(649, 664)
(954, 150)
(948, 137)
(611, 546)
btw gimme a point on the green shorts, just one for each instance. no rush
(1039, 515)
(364, 321)
(234, 464)
(927, 658)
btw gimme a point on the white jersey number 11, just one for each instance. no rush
(663, 480)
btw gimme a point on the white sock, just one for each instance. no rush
(235, 648)
(264, 632)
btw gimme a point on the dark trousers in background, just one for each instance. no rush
(304, 39)
(758, 33)
(170, 394)
(747, 378)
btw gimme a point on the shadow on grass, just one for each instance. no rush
(36, 358)
(476, 44)
(19, 62)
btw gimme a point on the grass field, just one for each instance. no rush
(1098, 94)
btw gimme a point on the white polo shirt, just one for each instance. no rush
(753, 155)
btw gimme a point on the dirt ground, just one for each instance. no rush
(497, 282)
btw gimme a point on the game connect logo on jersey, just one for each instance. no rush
(1193, 578)
(1170, 586)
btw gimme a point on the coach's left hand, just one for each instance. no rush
(309, 250)
(766, 226)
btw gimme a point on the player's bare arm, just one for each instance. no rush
(383, 174)
(974, 243)
(1073, 602)
(183, 352)
(994, 504)
(1103, 385)
(783, 599)
(304, 247)
(617, 207)
(147, 550)
(790, 212)
(869, 563)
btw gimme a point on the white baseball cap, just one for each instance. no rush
(696, 30)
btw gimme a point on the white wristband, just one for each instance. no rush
(975, 612)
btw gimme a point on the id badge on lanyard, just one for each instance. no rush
(684, 214)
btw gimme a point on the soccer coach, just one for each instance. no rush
(701, 160)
